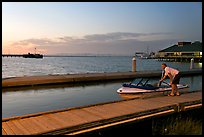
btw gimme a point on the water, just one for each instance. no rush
(23, 102)
(27, 101)
(15, 66)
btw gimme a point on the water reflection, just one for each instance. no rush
(59, 86)
(47, 98)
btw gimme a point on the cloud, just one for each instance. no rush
(87, 38)
(119, 36)
(112, 36)
(110, 43)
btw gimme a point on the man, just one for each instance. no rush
(174, 76)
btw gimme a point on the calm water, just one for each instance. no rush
(28, 101)
(16, 66)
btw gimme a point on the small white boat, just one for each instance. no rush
(144, 87)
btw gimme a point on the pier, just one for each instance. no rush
(12, 55)
(180, 58)
(84, 119)
(84, 77)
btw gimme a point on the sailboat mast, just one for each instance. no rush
(147, 50)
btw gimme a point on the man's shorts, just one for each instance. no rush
(176, 79)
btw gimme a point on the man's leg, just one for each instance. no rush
(176, 90)
(175, 82)
(173, 89)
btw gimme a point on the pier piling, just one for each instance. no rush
(192, 64)
(133, 64)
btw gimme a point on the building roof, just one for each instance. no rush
(194, 47)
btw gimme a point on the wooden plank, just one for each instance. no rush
(3, 132)
(16, 129)
(58, 119)
(118, 108)
(175, 99)
(156, 102)
(89, 117)
(133, 108)
(7, 129)
(34, 125)
(108, 111)
(42, 120)
(52, 121)
(144, 105)
(102, 111)
(18, 124)
(90, 110)
(30, 126)
(69, 118)
(113, 108)
(192, 96)
(172, 100)
(136, 105)
(97, 112)
(38, 123)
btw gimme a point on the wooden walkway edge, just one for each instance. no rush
(84, 77)
(87, 118)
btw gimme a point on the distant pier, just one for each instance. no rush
(12, 55)
(29, 55)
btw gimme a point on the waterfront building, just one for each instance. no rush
(182, 51)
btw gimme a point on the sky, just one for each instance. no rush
(116, 28)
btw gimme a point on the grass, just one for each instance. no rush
(178, 124)
(182, 123)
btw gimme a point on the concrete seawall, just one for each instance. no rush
(83, 77)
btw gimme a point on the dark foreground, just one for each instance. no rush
(183, 123)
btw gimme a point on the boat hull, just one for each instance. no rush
(128, 90)
(32, 56)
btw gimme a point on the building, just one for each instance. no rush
(182, 51)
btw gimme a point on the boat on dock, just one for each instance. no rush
(143, 86)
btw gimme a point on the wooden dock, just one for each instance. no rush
(84, 77)
(89, 118)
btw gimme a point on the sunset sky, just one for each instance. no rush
(117, 28)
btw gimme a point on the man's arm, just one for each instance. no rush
(163, 78)
(171, 78)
